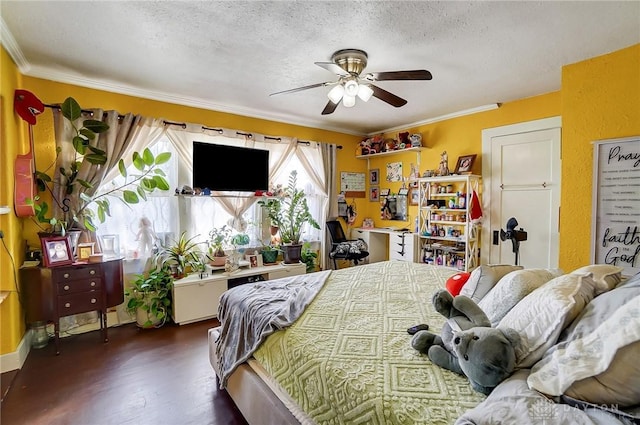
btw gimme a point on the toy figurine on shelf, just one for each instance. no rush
(443, 170)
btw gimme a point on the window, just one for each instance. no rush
(169, 215)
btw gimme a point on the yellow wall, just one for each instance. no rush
(599, 99)
(458, 136)
(12, 142)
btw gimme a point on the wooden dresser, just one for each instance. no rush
(50, 293)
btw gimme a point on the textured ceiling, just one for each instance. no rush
(229, 56)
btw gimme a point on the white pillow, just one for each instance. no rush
(542, 315)
(485, 277)
(605, 276)
(600, 366)
(511, 289)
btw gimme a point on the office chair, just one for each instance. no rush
(352, 250)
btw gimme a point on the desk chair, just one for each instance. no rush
(352, 250)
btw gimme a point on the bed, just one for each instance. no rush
(347, 357)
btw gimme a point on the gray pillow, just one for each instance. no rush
(615, 383)
(511, 289)
(512, 402)
(484, 278)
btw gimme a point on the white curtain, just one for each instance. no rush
(126, 133)
(279, 151)
(329, 161)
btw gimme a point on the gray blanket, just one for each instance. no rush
(251, 312)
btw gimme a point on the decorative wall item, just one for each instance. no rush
(352, 184)
(464, 164)
(374, 176)
(616, 225)
(394, 171)
(374, 193)
(414, 194)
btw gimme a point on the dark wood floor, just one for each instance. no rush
(159, 376)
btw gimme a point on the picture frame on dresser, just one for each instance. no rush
(56, 251)
(85, 251)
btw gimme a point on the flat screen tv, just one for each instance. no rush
(230, 168)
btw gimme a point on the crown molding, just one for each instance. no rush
(462, 113)
(11, 46)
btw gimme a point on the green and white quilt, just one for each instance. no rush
(348, 358)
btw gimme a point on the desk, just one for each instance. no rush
(52, 293)
(388, 244)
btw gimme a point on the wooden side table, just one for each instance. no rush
(52, 293)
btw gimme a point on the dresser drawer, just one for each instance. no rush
(76, 272)
(75, 286)
(401, 246)
(80, 303)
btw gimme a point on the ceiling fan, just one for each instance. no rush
(348, 64)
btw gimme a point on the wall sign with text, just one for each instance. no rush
(615, 229)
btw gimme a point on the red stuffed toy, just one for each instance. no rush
(456, 282)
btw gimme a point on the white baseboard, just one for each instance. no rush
(15, 360)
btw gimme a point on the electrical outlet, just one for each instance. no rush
(4, 209)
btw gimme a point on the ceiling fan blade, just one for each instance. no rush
(385, 96)
(333, 67)
(418, 74)
(329, 108)
(312, 86)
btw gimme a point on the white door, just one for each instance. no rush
(521, 179)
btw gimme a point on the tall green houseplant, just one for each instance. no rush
(80, 204)
(290, 213)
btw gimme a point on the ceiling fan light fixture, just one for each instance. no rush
(348, 101)
(351, 87)
(365, 92)
(336, 93)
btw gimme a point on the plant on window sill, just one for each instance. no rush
(80, 208)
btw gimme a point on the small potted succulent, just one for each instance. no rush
(219, 238)
(269, 253)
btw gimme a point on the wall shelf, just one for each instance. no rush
(394, 152)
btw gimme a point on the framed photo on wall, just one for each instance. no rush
(374, 176)
(464, 164)
(374, 193)
(414, 194)
(56, 251)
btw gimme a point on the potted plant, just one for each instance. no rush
(181, 257)
(309, 257)
(269, 253)
(80, 204)
(290, 213)
(149, 297)
(219, 238)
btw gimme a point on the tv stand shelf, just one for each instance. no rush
(196, 298)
